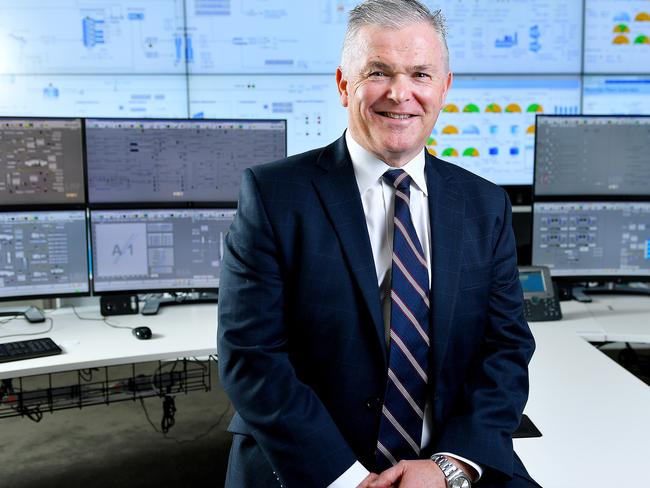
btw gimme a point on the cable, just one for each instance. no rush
(169, 410)
(103, 319)
(184, 441)
(22, 334)
(87, 374)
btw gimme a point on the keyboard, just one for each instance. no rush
(31, 348)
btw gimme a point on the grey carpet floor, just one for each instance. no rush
(117, 446)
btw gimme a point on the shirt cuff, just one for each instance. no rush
(354, 475)
(478, 469)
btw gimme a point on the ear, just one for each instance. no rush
(342, 85)
(448, 81)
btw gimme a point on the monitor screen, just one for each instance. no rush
(171, 161)
(487, 125)
(43, 254)
(513, 36)
(158, 250)
(616, 95)
(309, 103)
(616, 36)
(591, 155)
(41, 161)
(582, 239)
(94, 95)
(532, 281)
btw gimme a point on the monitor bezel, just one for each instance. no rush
(584, 278)
(13, 207)
(147, 290)
(86, 254)
(180, 204)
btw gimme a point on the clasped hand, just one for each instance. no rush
(407, 474)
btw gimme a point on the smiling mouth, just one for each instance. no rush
(392, 115)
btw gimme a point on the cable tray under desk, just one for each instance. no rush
(32, 396)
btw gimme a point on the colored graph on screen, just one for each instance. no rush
(617, 36)
(488, 123)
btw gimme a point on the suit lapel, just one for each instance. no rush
(446, 212)
(339, 193)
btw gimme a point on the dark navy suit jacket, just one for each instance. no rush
(302, 351)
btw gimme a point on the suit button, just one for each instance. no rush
(373, 403)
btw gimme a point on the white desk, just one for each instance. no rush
(593, 414)
(178, 331)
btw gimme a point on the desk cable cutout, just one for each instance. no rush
(103, 319)
(22, 334)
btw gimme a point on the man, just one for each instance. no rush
(370, 318)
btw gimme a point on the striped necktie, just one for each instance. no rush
(402, 417)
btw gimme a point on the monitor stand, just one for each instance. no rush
(153, 303)
(580, 293)
(31, 313)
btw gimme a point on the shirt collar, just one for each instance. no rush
(368, 169)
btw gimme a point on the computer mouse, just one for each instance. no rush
(142, 333)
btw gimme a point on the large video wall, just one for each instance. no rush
(512, 59)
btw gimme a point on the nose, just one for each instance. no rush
(400, 89)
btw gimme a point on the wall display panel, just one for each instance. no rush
(93, 36)
(258, 36)
(252, 36)
(616, 95)
(617, 36)
(93, 96)
(513, 36)
(310, 103)
(487, 125)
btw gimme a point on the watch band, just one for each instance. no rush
(456, 477)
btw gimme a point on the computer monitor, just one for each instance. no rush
(591, 156)
(41, 161)
(149, 250)
(43, 254)
(591, 241)
(176, 161)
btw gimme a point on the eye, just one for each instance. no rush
(377, 74)
(422, 75)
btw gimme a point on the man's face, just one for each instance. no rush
(394, 88)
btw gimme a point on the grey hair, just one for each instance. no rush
(392, 14)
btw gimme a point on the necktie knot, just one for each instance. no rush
(399, 179)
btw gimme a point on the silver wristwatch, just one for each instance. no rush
(456, 477)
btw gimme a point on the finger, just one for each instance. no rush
(388, 477)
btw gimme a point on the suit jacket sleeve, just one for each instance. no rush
(285, 417)
(489, 407)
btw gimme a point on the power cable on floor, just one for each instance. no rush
(184, 441)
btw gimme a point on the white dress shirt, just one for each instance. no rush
(377, 198)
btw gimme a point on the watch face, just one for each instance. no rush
(460, 482)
